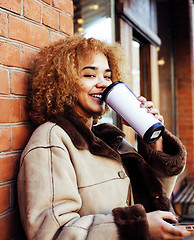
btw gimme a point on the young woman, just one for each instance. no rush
(82, 180)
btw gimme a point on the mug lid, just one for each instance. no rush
(109, 88)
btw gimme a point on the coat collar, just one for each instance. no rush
(103, 140)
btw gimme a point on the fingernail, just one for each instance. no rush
(142, 104)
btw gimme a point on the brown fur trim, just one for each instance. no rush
(104, 142)
(71, 130)
(110, 134)
(132, 222)
(147, 189)
(169, 162)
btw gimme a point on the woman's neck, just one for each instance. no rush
(89, 122)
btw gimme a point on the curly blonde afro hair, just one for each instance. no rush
(54, 78)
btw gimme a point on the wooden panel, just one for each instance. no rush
(126, 42)
(154, 77)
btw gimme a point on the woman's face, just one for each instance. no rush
(95, 77)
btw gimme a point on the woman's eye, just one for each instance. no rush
(108, 77)
(89, 75)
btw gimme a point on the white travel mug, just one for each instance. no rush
(124, 102)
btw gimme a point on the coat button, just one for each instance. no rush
(121, 174)
(156, 196)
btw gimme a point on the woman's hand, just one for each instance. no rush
(160, 229)
(150, 107)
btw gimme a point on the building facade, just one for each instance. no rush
(158, 38)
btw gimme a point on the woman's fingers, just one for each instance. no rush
(142, 99)
(156, 113)
(178, 231)
(168, 216)
(160, 229)
(145, 103)
(150, 108)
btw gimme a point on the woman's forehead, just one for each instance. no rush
(96, 59)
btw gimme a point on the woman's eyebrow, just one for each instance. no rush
(95, 68)
(89, 67)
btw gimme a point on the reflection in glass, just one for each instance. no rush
(136, 67)
(93, 18)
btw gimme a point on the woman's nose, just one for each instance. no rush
(103, 82)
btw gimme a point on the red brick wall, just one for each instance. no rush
(165, 71)
(175, 31)
(25, 26)
(184, 78)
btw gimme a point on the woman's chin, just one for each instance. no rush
(98, 113)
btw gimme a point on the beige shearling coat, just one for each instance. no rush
(73, 184)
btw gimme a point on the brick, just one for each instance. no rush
(66, 24)
(10, 225)
(32, 10)
(3, 25)
(9, 54)
(5, 139)
(21, 135)
(18, 82)
(186, 136)
(27, 57)
(4, 81)
(50, 18)
(10, 110)
(27, 32)
(11, 5)
(55, 36)
(9, 167)
(64, 5)
(4, 198)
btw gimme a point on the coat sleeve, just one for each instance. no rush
(50, 202)
(168, 164)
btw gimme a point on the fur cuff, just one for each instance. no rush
(171, 161)
(132, 222)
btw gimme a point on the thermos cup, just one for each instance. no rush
(123, 101)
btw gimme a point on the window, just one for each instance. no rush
(95, 19)
(136, 67)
